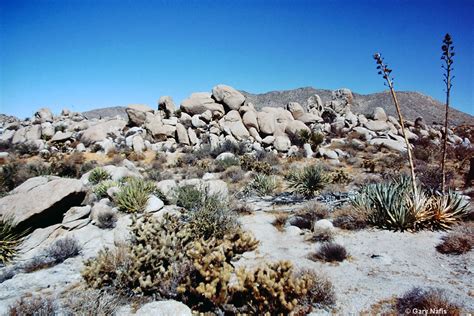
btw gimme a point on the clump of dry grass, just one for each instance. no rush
(420, 300)
(329, 252)
(280, 221)
(458, 241)
(33, 305)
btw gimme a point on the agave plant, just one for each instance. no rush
(391, 205)
(10, 240)
(308, 182)
(98, 175)
(445, 210)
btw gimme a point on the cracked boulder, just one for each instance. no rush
(42, 201)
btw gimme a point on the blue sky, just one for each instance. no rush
(89, 54)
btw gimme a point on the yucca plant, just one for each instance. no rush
(386, 74)
(101, 188)
(10, 240)
(309, 181)
(97, 175)
(262, 185)
(133, 195)
(447, 56)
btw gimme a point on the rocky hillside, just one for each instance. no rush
(413, 104)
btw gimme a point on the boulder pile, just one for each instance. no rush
(214, 118)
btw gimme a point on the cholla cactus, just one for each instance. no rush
(386, 74)
(271, 289)
(447, 56)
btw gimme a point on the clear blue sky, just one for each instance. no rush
(89, 54)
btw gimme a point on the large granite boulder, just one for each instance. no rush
(99, 132)
(44, 115)
(233, 122)
(266, 122)
(199, 103)
(137, 113)
(232, 98)
(42, 201)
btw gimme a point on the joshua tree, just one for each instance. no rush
(385, 72)
(447, 56)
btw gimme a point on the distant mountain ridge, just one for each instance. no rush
(413, 104)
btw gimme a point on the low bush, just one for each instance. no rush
(308, 181)
(324, 235)
(224, 164)
(418, 299)
(33, 305)
(106, 219)
(330, 252)
(98, 175)
(249, 163)
(57, 253)
(321, 292)
(458, 241)
(189, 197)
(91, 302)
(350, 218)
(262, 185)
(313, 211)
(235, 174)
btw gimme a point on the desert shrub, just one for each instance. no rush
(15, 173)
(106, 219)
(313, 138)
(98, 175)
(330, 252)
(27, 148)
(267, 156)
(458, 241)
(249, 163)
(186, 160)
(91, 302)
(340, 176)
(59, 251)
(431, 178)
(313, 211)
(324, 235)
(418, 299)
(72, 166)
(321, 292)
(100, 190)
(279, 290)
(234, 174)
(212, 219)
(307, 182)
(33, 305)
(189, 197)
(238, 149)
(224, 164)
(133, 195)
(350, 218)
(242, 209)
(262, 185)
(280, 221)
(10, 240)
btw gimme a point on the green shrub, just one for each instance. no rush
(98, 175)
(134, 193)
(305, 136)
(249, 163)
(262, 185)
(307, 182)
(189, 197)
(10, 240)
(224, 164)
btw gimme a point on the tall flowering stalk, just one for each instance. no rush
(447, 57)
(385, 72)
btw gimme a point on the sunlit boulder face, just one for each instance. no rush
(228, 96)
